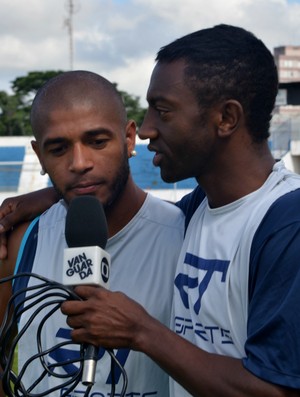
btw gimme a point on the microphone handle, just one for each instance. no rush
(89, 365)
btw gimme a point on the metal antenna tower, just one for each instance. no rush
(69, 25)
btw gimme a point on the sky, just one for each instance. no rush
(119, 39)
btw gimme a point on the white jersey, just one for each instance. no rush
(143, 261)
(211, 283)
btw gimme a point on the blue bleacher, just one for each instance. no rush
(146, 176)
(10, 173)
(144, 173)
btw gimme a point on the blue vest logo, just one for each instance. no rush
(183, 282)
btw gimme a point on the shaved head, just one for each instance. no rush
(73, 88)
(83, 138)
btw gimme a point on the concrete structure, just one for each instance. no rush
(20, 171)
(287, 59)
(285, 129)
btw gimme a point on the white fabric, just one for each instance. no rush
(144, 256)
(220, 241)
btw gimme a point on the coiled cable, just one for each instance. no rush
(46, 294)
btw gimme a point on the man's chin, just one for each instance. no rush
(168, 177)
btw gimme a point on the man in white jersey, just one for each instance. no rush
(237, 284)
(84, 141)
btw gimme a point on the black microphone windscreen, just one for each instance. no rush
(86, 223)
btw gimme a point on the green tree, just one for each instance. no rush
(15, 108)
(13, 120)
(133, 107)
(29, 84)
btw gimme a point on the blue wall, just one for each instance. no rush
(148, 177)
(10, 173)
(144, 173)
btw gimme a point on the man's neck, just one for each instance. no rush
(236, 179)
(125, 208)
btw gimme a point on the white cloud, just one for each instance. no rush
(119, 39)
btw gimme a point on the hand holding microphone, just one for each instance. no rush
(86, 261)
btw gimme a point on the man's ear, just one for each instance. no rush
(231, 116)
(130, 136)
(36, 149)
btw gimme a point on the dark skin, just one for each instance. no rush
(219, 152)
(214, 145)
(24, 207)
(85, 151)
(6, 270)
(130, 326)
(81, 148)
(230, 166)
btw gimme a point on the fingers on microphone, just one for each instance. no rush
(86, 291)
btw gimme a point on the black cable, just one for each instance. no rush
(46, 295)
(20, 309)
(114, 361)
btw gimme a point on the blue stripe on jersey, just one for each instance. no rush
(23, 242)
(190, 202)
(25, 258)
(274, 295)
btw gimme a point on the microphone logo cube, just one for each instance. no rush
(86, 265)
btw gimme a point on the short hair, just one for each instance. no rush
(69, 87)
(227, 62)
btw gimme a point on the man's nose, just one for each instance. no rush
(81, 160)
(147, 130)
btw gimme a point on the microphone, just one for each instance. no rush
(86, 261)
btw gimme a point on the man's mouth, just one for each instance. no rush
(157, 159)
(157, 155)
(84, 188)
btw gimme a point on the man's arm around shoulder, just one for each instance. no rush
(7, 267)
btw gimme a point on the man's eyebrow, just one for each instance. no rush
(161, 100)
(98, 131)
(152, 100)
(87, 134)
(53, 141)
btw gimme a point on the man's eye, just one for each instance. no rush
(58, 150)
(98, 143)
(161, 112)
